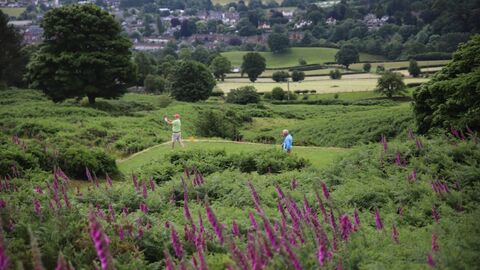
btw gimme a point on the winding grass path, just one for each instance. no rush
(320, 157)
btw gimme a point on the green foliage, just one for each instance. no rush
(280, 76)
(335, 74)
(367, 67)
(75, 61)
(213, 123)
(278, 42)
(298, 75)
(278, 93)
(192, 81)
(155, 84)
(10, 57)
(413, 68)
(253, 64)
(243, 95)
(450, 98)
(391, 84)
(347, 55)
(220, 66)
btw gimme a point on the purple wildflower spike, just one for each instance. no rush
(411, 136)
(4, 259)
(121, 232)
(253, 222)
(177, 246)
(38, 190)
(62, 264)
(430, 260)
(270, 234)
(435, 246)
(280, 193)
(152, 184)
(378, 220)
(255, 197)
(435, 214)
(322, 254)
(203, 262)
(144, 190)
(333, 223)
(235, 230)
(168, 261)
(384, 142)
(293, 184)
(322, 207)
(109, 180)
(101, 243)
(293, 257)
(37, 207)
(135, 181)
(217, 227)
(36, 254)
(326, 194)
(395, 234)
(346, 227)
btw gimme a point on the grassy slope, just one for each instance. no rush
(319, 157)
(289, 59)
(13, 12)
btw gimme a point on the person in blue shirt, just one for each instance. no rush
(287, 141)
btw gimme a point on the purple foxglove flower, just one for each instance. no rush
(395, 234)
(333, 223)
(4, 259)
(111, 212)
(235, 230)
(255, 198)
(322, 254)
(168, 261)
(177, 246)
(378, 220)
(411, 136)
(152, 184)
(144, 208)
(384, 142)
(215, 224)
(339, 265)
(346, 227)
(144, 190)
(65, 197)
(435, 214)
(140, 232)
(121, 233)
(109, 180)
(88, 174)
(293, 257)
(326, 194)
(270, 234)
(435, 246)
(135, 181)
(253, 222)
(38, 190)
(101, 243)
(37, 207)
(398, 159)
(201, 258)
(62, 264)
(293, 184)
(322, 207)
(430, 260)
(279, 192)
(356, 219)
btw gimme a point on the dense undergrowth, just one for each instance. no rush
(425, 192)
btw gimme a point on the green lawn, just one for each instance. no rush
(401, 64)
(322, 85)
(320, 157)
(13, 12)
(290, 59)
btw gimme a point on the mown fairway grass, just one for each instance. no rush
(322, 85)
(13, 12)
(320, 157)
(290, 58)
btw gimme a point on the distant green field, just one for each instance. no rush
(290, 59)
(13, 12)
(401, 64)
(325, 85)
(320, 157)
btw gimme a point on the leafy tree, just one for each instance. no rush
(253, 64)
(367, 67)
(413, 68)
(160, 26)
(243, 95)
(280, 76)
(390, 84)
(278, 93)
(143, 66)
(155, 84)
(246, 28)
(192, 81)
(11, 44)
(201, 54)
(335, 74)
(451, 98)
(278, 41)
(83, 54)
(347, 55)
(220, 66)
(298, 75)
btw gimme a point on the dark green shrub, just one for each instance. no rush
(278, 93)
(335, 74)
(243, 95)
(213, 123)
(367, 67)
(280, 76)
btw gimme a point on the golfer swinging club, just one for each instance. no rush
(176, 129)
